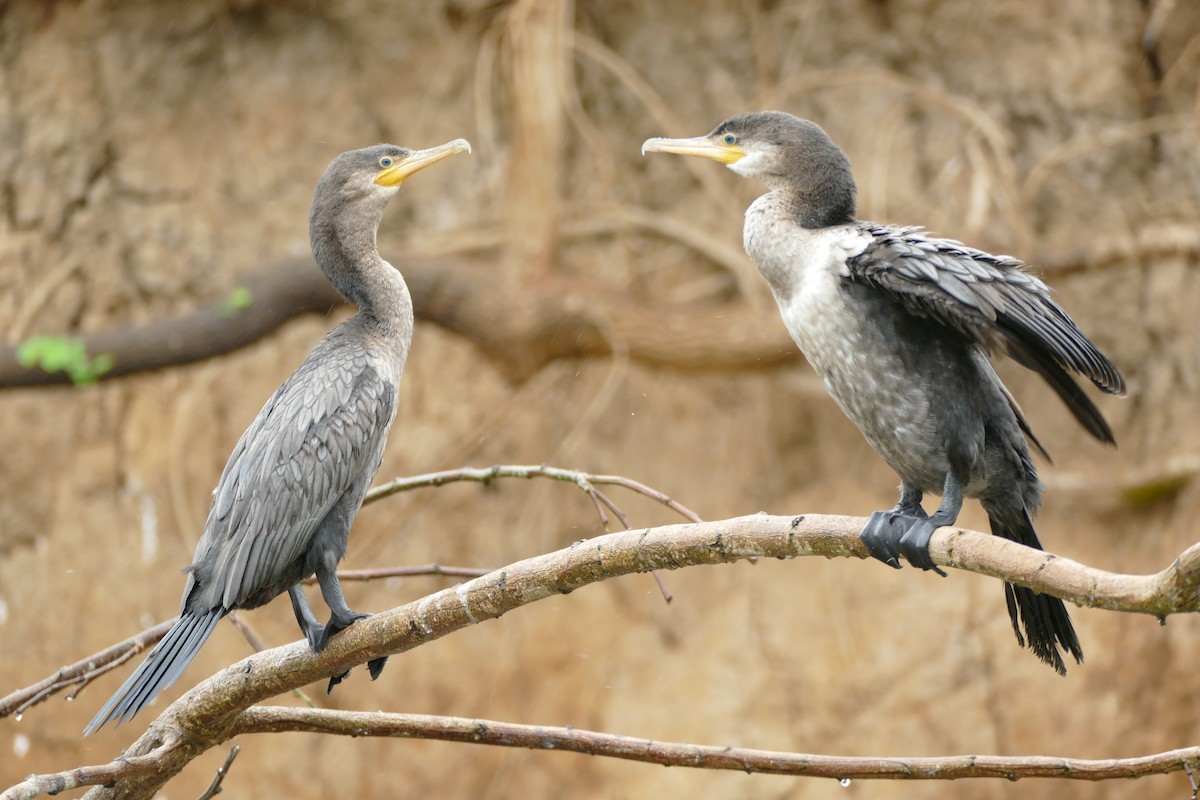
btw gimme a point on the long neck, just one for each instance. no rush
(818, 194)
(345, 248)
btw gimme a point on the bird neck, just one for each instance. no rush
(347, 253)
(820, 206)
(817, 194)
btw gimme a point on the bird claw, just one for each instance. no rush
(375, 666)
(334, 680)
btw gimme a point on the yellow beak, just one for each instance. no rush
(418, 160)
(701, 146)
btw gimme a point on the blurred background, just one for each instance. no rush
(156, 153)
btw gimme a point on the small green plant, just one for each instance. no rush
(64, 354)
(237, 300)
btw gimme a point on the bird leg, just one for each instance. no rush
(341, 617)
(906, 530)
(304, 615)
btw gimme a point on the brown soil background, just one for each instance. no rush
(154, 152)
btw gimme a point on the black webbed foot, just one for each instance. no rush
(337, 623)
(881, 539)
(914, 545)
(907, 529)
(891, 534)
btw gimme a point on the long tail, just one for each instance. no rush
(166, 662)
(1044, 618)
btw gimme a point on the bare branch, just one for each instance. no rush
(207, 715)
(367, 575)
(264, 719)
(54, 783)
(214, 788)
(584, 480)
(459, 297)
(82, 672)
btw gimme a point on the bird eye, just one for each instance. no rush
(730, 138)
(386, 162)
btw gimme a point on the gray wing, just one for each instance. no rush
(315, 436)
(994, 302)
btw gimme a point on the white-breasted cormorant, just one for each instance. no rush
(296, 479)
(899, 325)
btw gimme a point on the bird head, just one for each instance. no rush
(786, 153)
(379, 170)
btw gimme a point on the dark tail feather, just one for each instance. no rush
(1072, 395)
(1047, 626)
(166, 662)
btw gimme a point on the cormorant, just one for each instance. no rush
(296, 479)
(899, 325)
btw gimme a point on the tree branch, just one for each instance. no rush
(584, 480)
(273, 719)
(83, 672)
(215, 787)
(207, 715)
(556, 319)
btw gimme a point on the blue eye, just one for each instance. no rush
(730, 138)
(386, 162)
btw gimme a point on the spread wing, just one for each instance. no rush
(993, 301)
(311, 443)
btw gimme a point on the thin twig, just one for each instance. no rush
(264, 719)
(84, 670)
(432, 568)
(488, 474)
(246, 631)
(214, 788)
(585, 481)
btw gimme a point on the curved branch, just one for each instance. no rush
(274, 719)
(553, 320)
(586, 481)
(207, 715)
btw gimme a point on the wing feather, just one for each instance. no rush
(991, 299)
(312, 441)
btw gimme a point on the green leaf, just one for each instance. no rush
(63, 354)
(239, 299)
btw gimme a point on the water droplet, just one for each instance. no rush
(844, 781)
(21, 745)
(19, 717)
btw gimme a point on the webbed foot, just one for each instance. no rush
(337, 623)
(891, 534)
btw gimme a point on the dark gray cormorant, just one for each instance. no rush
(296, 479)
(899, 325)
